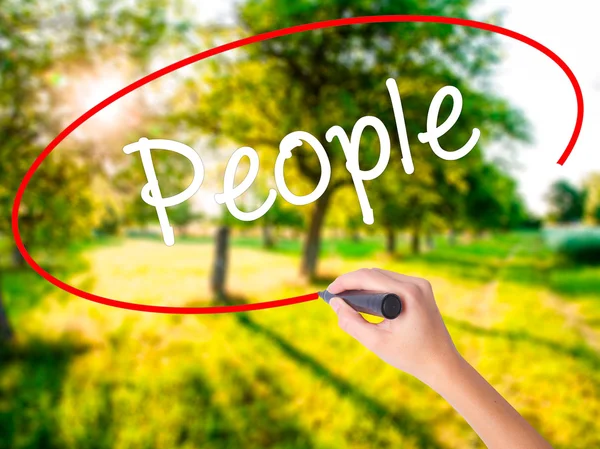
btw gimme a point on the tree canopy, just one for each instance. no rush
(566, 202)
(313, 80)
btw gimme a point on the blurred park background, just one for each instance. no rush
(519, 289)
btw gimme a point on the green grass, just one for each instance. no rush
(364, 247)
(86, 375)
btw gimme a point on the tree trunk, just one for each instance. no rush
(219, 273)
(312, 244)
(416, 241)
(182, 231)
(429, 240)
(6, 333)
(452, 237)
(268, 239)
(390, 240)
(17, 258)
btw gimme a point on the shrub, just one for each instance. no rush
(580, 244)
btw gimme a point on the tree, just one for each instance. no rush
(174, 173)
(566, 202)
(40, 39)
(221, 259)
(473, 195)
(313, 80)
(492, 201)
(22, 61)
(281, 215)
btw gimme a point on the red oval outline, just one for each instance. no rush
(230, 46)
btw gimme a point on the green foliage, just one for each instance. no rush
(566, 202)
(174, 173)
(39, 41)
(314, 80)
(182, 214)
(492, 200)
(110, 222)
(59, 205)
(285, 215)
(21, 63)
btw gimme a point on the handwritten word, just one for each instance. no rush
(151, 193)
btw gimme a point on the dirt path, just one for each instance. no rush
(489, 291)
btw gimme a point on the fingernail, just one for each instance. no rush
(335, 304)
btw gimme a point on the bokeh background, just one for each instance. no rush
(516, 276)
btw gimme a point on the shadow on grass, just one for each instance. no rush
(457, 265)
(323, 279)
(22, 289)
(31, 383)
(581, 352)
(573, 281)
(593, 323)
(214, 425)
(253, 422)
(483, 259)
(531, 265)
(401, 419)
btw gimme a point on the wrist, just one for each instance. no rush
(446, 371)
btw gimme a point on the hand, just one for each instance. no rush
(417, 341)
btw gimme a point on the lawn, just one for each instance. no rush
(86, 375)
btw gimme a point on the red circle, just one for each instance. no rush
(222, 49)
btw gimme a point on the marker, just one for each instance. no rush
(385, 305)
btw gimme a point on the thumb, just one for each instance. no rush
(352, 322)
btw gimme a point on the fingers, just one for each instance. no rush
(374, 279)
(423, 283)
(351, 322)
(363, 279)
(398, 276)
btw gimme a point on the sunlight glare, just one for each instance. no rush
(85, 89)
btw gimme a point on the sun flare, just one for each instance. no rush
(79, 91)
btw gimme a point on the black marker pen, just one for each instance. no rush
(385, 305)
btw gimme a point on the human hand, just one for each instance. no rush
(417, 341)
